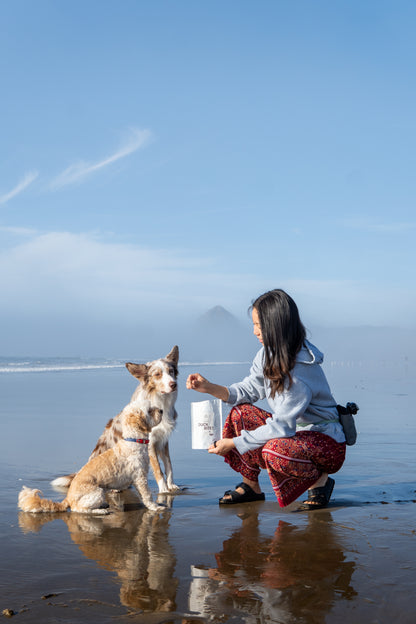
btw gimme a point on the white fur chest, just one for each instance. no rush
(134, 458)
(161, 433)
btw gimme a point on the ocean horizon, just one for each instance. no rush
(50, 364)
(67, 364)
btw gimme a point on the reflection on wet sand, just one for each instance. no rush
(294, 576)
(135, 545)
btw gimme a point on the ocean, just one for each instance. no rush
(197, 561)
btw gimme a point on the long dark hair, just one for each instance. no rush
(283, 335)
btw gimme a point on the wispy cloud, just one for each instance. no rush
(80, 170)
(367, 224)
(20, 187)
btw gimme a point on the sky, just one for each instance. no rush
(158, 158)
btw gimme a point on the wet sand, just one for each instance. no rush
(198, 561)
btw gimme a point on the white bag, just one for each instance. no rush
(206, 419)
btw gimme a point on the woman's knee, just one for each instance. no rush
(272, 454)
(273, 445)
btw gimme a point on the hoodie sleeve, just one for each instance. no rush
(282, 424)
(251, 389)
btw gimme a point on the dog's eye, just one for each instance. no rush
(158, 374)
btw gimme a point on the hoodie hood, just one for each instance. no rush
(309, 354)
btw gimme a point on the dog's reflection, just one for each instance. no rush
(135, 545)
(296, 575)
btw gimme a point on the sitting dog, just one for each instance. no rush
(125, 464)
(158, 383)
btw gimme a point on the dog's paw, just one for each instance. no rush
(174, 488)
(99, 511)
(155, 507)
(162, 487)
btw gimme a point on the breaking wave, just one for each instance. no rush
(56, 365)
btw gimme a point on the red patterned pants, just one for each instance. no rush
(294, 464)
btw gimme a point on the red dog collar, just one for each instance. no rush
(138, 440)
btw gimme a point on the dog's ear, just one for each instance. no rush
(173, 356)
(137, 370)
(138, 418)
(155, 415)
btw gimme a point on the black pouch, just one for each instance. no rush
(346, 418)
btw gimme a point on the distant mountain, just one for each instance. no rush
(218, 317)
(218, 335)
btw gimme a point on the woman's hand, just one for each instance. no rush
(198, 383)
(222, 447)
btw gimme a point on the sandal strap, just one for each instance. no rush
(244, 486)
(237, 497)
(321, 495)
(317, 497)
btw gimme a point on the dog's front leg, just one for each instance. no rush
(157, 471)
(142, 487)
(168, 469)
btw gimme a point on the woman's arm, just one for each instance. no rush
(252, 388)
(200, 384)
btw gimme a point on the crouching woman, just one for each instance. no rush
(300, 441)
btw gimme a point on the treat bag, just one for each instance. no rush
(206, 418)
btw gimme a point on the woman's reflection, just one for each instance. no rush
(296, 574)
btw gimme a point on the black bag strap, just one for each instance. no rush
(350, 408)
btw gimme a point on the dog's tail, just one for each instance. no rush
(30, 500)
(63, 482)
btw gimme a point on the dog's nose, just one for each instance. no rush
(173, 385)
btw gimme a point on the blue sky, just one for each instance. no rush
(158, 158)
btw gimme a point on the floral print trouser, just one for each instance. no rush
(294, 464)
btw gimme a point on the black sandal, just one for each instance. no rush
(318, 497)
(235, 497)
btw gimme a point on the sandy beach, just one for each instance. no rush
(197, 561)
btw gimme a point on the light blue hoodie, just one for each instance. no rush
(307, 405)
